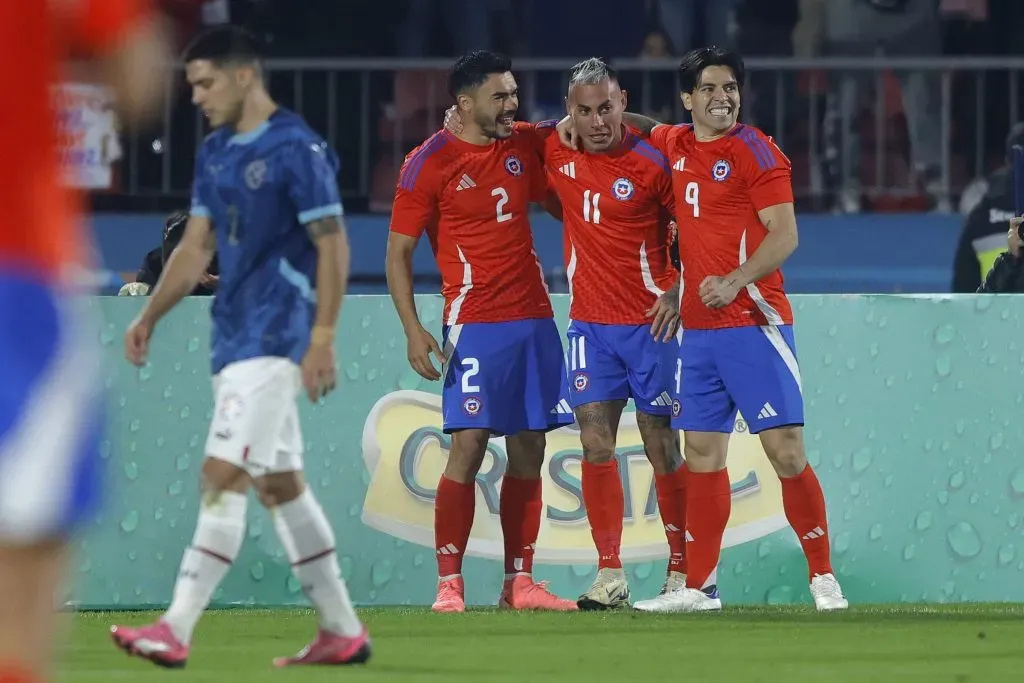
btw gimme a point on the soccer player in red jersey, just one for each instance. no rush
(502, 366)
(616, 199)
(737, 226)
(51, 421)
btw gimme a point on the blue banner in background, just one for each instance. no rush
(870, 253)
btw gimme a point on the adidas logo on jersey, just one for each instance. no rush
(465, 183)
(680, 165)
(563, 408)
(766, 412)
(569, 169)
(663, 400)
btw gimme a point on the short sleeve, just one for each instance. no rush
(312, 173)
(104, 22)
(200, 187)
(660, 137)
(416, 198)
(767, 171)
(662, 182)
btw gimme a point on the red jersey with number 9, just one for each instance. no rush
(719, 187)
(473, 203)
(40, 233)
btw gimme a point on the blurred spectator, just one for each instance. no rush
(765, 29)
(682, 18)
(468, 25)
(984, 235)
(154, 262)
(652, 93)
(863, 28)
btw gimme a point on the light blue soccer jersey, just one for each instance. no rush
(260, 189)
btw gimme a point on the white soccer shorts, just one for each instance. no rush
(255, 422)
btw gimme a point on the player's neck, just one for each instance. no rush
(474, 136)
(256, 109)
(709, 134)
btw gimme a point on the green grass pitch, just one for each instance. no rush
(966, 643)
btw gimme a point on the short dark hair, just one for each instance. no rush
(695, 61)
(224, 44)
(471, 70)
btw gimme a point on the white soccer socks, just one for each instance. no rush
(215, 545)
(307, 538)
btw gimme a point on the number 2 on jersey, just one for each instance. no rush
(692, 196)
(471, 367)
(502, 196)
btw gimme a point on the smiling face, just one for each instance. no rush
(714, 102)
(493, 105)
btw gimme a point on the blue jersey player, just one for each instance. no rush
(265, 193)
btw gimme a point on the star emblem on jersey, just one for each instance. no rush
(721, 170)
(676, 407)
(514, 166)
(255, 174)
(623, 189)
(472, 406)
(580, 382)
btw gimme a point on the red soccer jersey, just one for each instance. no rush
(473, 201)
(40, 233)
(615, 209)
(719, 188)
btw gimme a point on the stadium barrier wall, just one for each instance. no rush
(913, 406)
(878, 253)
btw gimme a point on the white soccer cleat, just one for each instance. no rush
(610, 590)
(827, 594)
(682, 600)
(674, 581)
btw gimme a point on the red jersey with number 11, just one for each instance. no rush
(719, 187)
(473, 201)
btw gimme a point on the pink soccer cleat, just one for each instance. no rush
(451, 596)
(155, 643)
(522, 593)
(331, 649)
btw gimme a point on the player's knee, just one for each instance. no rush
(598, 445)
(525, 454)
(784, 447)
(220, 475)
(467, 454)
(661, 442)
(279, 488)
(705, 451)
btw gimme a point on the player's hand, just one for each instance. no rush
(1014, 242)
(718, 292)
(421, 345)
(453, 120)
(319, 371)
(567, 133)
(665, 312)
(209, 281)
(136, 341)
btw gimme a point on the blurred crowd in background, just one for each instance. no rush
(861, 139)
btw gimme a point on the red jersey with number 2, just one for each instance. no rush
(719, 187)
(473, 202)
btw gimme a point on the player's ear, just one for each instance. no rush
(464, 102)
(624, 99)
(687, 100)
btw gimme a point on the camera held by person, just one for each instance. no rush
(154, 262)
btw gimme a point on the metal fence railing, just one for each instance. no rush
(887, 129)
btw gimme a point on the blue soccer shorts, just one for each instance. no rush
(51, 413)
(750, 369)
(507, 377)
(619, 362)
